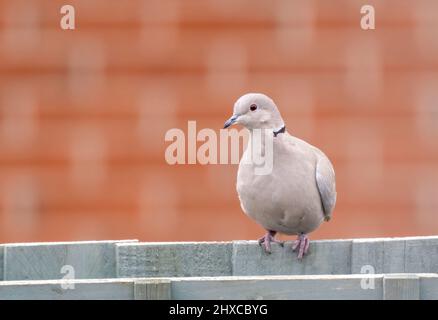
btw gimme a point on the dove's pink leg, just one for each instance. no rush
(302, 243)
(267, 239)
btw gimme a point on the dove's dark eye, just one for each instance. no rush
(253, 107)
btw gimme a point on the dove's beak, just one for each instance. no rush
(230, 122)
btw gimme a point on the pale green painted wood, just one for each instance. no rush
(230, 270)
(424, 286)
(152, 289)
(277, 287)
(38, 261)
(428, 286)
(54, 290)
(2, 248)
(401, 287)
(324, 257)
(174, 259)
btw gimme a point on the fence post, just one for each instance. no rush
(401, 287)
(152, 289)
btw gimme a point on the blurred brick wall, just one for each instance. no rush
(83, 113)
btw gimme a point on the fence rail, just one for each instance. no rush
(383, 268)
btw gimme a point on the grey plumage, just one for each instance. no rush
(325, 180)
(299, 193)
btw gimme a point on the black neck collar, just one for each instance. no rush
(281, 130)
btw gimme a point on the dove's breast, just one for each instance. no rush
(285, 200)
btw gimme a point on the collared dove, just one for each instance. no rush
(299, 193)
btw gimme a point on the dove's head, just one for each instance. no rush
(255, 111)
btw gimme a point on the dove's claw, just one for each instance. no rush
(267, 239)
(302, 243)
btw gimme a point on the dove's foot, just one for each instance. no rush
(267, 239)
(302, 243)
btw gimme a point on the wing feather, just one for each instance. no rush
(325, 180)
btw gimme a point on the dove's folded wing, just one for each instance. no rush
(325, 180)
